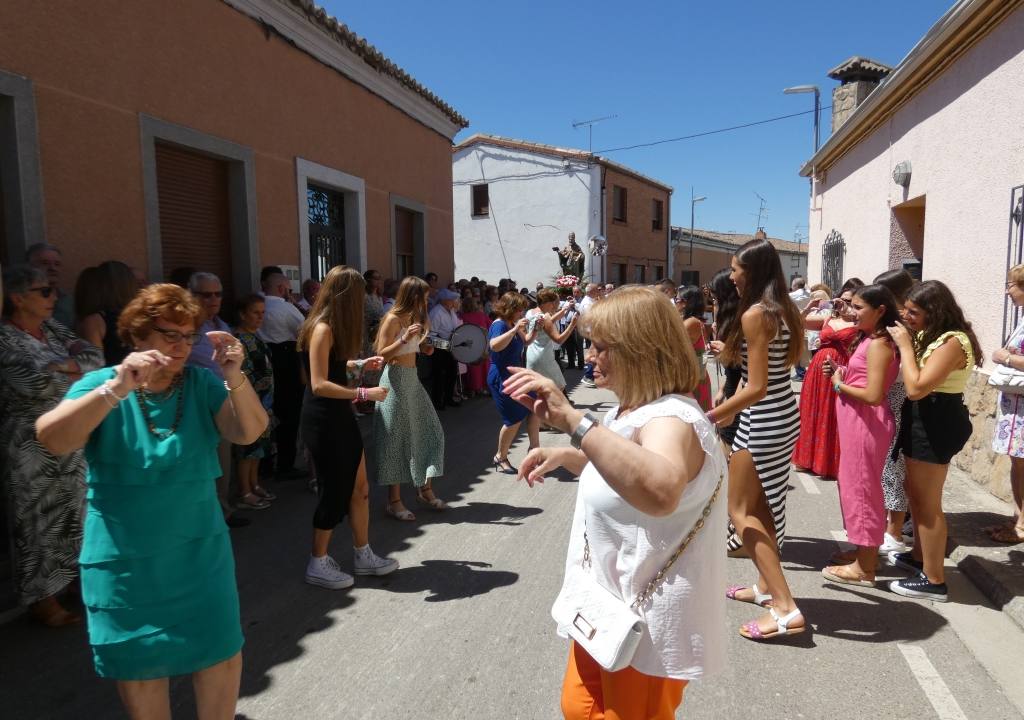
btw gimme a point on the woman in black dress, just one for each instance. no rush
(329, 341)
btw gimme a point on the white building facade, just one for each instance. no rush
(512, 205)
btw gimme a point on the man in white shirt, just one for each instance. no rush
(800, 297)
(594, 293)
(444, 368)
(279, 331)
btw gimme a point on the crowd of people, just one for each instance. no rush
(126, 398)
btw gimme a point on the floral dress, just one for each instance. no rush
(45, 492)
(260, 371)
(1008, 438)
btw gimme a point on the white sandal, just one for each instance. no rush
(753, 630)
(760, 598)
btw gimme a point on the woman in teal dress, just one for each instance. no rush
(158, 580)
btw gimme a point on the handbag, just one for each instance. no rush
(1007, 380)
(608, 627)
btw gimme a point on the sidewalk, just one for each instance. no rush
(996, 568)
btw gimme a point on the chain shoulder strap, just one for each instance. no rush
(655, 583)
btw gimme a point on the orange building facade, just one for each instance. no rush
(217, 134)
(637, 226)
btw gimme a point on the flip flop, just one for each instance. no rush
(835, 577)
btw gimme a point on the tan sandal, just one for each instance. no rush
(404, 515)
(432, 501)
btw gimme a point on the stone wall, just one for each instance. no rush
(977, 460)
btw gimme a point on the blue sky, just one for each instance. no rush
(666, 69)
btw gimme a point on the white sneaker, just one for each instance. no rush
(324, 571)
(369, 563)
(891, 544)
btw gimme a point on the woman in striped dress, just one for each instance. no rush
(767, 342)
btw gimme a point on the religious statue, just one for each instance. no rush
(571, 257)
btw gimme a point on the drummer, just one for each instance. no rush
(444, 368)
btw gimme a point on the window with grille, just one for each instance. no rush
(481, 201)
(640, 274)
(326, 218)
(690, 277)
(657, 213)
(618, 203)
(659, 272)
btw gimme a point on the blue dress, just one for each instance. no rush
(158, 576)
(511, 411)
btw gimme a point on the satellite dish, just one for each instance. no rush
(901, 174)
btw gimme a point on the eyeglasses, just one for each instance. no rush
(208, 294)
(173, 336)
(45, 291)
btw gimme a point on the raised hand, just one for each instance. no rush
(228, 353)
(136, 369)
(411, 332)
(542, 397)
(373, 364)
(899, 335)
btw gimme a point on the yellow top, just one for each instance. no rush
(956, 381)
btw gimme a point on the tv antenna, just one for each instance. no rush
(762, 211)
(590, 129)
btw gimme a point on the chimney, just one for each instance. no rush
(857, 76)
(760, 234)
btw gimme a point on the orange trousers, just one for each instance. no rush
(590, 692)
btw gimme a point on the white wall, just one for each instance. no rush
(964, 137)
(535, 202)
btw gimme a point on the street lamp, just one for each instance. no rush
(693, 204)
(798, 89)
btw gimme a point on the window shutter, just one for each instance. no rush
(195, 228)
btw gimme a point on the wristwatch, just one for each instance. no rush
(586, 423)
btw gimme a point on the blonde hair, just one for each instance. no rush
(648, 346)
(339, 305)
(1016, 275)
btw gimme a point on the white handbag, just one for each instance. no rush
(1007, 380)
(607, 626)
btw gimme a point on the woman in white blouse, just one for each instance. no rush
(646, 476)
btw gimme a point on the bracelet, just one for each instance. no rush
(107, 392)
(360, 394)
(240, 384)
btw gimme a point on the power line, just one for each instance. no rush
(711, 132)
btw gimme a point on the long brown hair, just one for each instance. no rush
(766, 285)
(410, 304)
(339, 305)
(942, 314)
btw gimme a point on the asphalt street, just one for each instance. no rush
(463, 629)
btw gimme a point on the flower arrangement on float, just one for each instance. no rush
(567, 281)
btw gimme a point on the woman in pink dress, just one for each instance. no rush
(817, 448)
(476, 374)
(866, 428)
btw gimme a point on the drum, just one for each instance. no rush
(468, 344)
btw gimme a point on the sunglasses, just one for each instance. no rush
(45, 291)
(208, 294)
(173, 336)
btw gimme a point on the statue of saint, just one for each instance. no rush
(571, 258)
